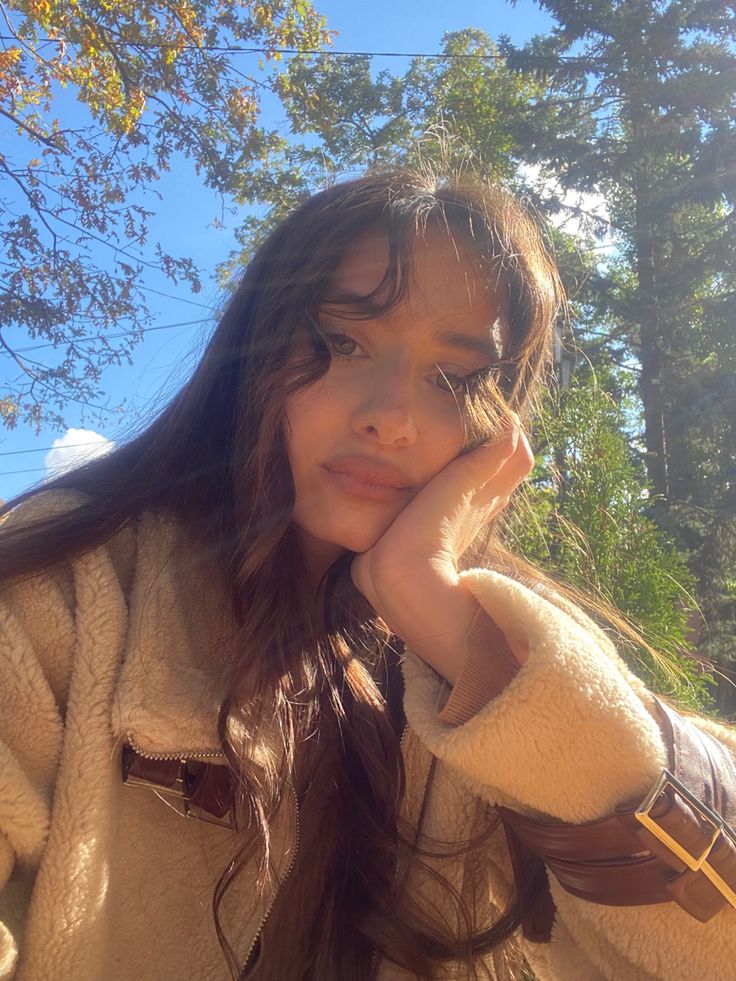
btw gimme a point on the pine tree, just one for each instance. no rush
(652, 93)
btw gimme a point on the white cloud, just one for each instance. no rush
(584, 214)
(75, 447)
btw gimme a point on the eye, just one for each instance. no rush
(449, 381)
(340, 344)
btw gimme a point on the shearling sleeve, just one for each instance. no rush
(571, 736)
(36, 628)
(36, 645)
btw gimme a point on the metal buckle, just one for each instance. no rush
(178, 793)
(696, 863)
(226, 820)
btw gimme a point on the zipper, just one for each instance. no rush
(402, 746)
(402, 741)
(182, 755)
(214, 754)
(246, 969)
(375, 956)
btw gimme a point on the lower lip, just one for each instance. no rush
(368, 490)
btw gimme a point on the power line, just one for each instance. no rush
(173, 296)
(13, 473)
(45, 449)
(325, 52)
(124, 333)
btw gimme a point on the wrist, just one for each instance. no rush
(437, 627)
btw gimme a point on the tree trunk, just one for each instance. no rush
(650, 355)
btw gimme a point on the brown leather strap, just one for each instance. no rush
(195, 787)
(684, 852)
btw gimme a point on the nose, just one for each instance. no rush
(385, 413)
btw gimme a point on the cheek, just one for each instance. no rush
(318, 402)
(305, 413)
(443, 441)
(304, 401)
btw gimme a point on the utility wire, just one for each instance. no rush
(173, 296)
(327, 52)
(13, 473)
(124, 333)
(45, 449)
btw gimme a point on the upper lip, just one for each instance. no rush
(374, 471)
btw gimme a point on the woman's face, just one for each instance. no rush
(386, 417)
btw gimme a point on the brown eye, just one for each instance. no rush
(446, 381)
(341, 344)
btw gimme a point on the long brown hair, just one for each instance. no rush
(215, 459)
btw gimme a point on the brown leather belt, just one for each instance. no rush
(193, 787)
(676, 845)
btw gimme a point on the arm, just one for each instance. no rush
(573, 717)
(37, 644)
(572, 736)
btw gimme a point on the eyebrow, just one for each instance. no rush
(361, 303)
(448, 336)
(468, 342)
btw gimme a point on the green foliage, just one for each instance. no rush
(449, 113)
(653, 85)
(584, 517)
(363, 119)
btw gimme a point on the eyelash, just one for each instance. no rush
(464, 382)
(334, 337)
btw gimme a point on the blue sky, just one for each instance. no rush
(184, 225)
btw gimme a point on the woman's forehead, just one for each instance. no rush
(442, 272)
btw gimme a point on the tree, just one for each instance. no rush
(462, 110)
(584, 516)
(152, 81)
(454, 111)
(652, 93)
(654, 86)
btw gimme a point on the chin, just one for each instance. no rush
(358, 540)
(353, 537)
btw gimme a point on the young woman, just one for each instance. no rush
(254, 719)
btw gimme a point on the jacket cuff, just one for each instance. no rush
(571, 736)
(488, 668)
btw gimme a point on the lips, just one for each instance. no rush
(368, 479)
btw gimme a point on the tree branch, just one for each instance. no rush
(34, 204)
(46, 140)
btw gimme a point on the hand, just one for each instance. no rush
(410, 576)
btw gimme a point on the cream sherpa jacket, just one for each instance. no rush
(103, 882)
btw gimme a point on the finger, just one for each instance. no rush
(475, 467)
(505, 462)
(514, 470)
(482, 515)
(495, 495)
